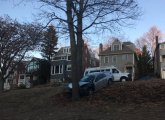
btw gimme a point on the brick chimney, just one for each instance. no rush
(156, 41)
(100, 47)
(157, 58)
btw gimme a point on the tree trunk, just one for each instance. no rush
(1, 84)
(80, 42)
(80, 57)
(75, 89)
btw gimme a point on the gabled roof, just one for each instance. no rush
(162, 43)
(35, 59)
(60, 52)
(125, 49)
(127, 43)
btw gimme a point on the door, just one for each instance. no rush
(100, 81)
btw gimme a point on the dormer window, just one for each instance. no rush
(116, 47)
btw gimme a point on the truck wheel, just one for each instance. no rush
(123, 79)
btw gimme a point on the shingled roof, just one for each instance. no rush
(60, 51)
(125, 49)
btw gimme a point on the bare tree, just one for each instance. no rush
(15, 40)
(82, 16)
(148, 39)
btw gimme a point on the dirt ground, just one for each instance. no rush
(139, 100)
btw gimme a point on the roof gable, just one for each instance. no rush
(63, 51)
(116, 45)
(125, 48)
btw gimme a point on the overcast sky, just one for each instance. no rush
(153, 15)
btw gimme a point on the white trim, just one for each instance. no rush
(66, 55)
(116, 45)
(119, 43)
(52, 72)
(66, 50)
(60, 69)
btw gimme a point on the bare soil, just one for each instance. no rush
(138, 100)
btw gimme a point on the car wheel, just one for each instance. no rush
(110, 81)
(90, 91)
(123, 79)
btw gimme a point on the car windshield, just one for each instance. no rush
(87, 78)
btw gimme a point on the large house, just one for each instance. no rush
(121, 55)
(61, 63)
(15, 75)
(38, 71)
(159, 59)
(35, 71)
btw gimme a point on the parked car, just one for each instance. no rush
(117, 74)
(91, 82)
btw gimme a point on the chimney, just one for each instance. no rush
(157, 58)
(100, 47)
(156, 41)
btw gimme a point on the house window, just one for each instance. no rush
(115, 47)
(114, 59)
(106, 59)
(63, 58)
(68, 67)
(33, 66)
(102, 59)
(69, 57)
(66, 50)
(21, 76)
(58, 69)
(61, 69)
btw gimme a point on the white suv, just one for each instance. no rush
(117, 74)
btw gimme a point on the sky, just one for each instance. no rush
(153, 15)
